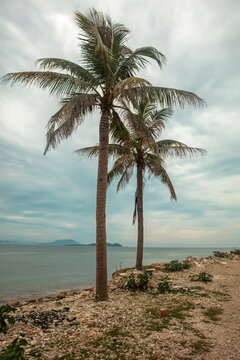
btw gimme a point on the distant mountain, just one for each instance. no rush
(94, 244)
(5, 242)
(62, 242)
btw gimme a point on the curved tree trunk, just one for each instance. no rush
(101, 243)
(140, 217)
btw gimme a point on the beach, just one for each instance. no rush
(197, 321)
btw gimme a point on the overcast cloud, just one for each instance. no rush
(44, 198)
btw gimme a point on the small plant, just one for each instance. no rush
(175, 265)
(220, 254)
(143, 280)
(14, 351)
(203, 276)
(235, 252)
(4, 317)
(164, 285)
(213, 312)
(186, 265)
(141, 283)
(131, 284)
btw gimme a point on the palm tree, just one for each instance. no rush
(105, 75)
(136, 147)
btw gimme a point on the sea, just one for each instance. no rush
(33, 271)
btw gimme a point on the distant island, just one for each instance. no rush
(62, 242)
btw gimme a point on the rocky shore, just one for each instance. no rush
(193, 320)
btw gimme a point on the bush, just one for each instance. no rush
(220, 254)
(141, 283)
(235, 252)
(164, 285)
(14, 351)
(203, 276)
(131, 284)
(143, 280)
(175, 265)
(4, 317)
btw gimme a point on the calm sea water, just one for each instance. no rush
(31, 271)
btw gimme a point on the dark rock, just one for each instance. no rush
(75, 323)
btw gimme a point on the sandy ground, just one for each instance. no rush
(202, 320)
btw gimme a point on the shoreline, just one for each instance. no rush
(65, 293)
(201, 320)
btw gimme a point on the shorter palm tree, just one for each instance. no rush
(136, 147)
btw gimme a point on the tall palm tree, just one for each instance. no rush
(136, 147)
(105, 75)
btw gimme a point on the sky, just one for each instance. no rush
(44, 198)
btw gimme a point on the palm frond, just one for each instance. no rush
(126, 85)
(155, 167)
(124, 179)
(72, 68)
(118, 130)
(57, 83)
(166, 97)
(65, 121)
(173, 148)
(90, 151)
(135, 208)
(135, 60)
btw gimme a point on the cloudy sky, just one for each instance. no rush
(44, 198)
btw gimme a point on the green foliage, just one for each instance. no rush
(141, 283)
(131, 284)
(213, 312)
(235, 252)
(14, 351)
(143, 280)
(164, 286)
(220, 254)
(175, 265)
(203, 276)
(4, 317)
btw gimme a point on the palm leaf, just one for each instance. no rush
(65, 121)
(58, 84)
(173, 148)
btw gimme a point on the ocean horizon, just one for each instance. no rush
(33, 271)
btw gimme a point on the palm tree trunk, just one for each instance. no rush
(140, 217)
(101, 243)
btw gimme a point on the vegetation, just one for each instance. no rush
(164, 285)
(235, 252)
(14, 351)
(141, 283)
(213, 313)
(175, 265)
(136, 146)
(4, 317)
(203, 276)
(220, 254)
(105, 76)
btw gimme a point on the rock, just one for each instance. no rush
(14, 303)
(74, 323)
(164, 312)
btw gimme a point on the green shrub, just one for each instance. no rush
(164, 285)
(235, 252)
(144, 280)
(203, 276)
(131, 284)
(186, 265)
(220, 254)
(141, 283)
(4, 317)
(175, 265)
(14, 351)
